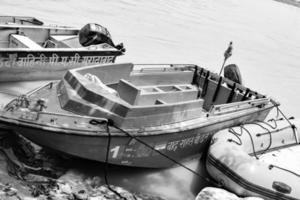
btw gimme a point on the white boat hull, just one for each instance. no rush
(233, 160)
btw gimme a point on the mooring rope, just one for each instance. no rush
(268, 124)
(284, 169)
(237, 135)
(271, 166)
(208, 180)
(106, 164)
(284, 116)
(240, 142)
(107, 124)
(252, 142)
(269, 133)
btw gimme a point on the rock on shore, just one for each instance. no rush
(71, 186)
(211, 193)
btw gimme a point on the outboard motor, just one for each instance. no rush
(233, 73)
(92, 34)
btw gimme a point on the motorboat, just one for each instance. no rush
(134, 115)
(31, 50)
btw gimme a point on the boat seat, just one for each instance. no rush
(152, 95)
(22, 41)
(65, 41)
(127, 91)
(167, 94)
(94, 79)
(161, 77)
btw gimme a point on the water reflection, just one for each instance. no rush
(172, 183)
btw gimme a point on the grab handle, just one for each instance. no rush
(281, 187)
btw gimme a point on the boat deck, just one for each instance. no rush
(29, 51)
(65, 40)
(150, 99)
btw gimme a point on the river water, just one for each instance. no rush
(265, 35)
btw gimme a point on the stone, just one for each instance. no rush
(29, 198)
(211, 193)
(11, 198)
(11, 192)
(8, 190)
(81, 195)
(253, 198)
(97, 198)
(96, 182)
(65, 188)
(35, 178)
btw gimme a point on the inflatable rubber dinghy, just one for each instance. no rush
(235, 160)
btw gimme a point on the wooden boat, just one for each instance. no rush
(30, 50)
(135, 115)
(234, 160)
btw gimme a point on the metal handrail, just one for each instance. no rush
(241, 105)
(72, 115)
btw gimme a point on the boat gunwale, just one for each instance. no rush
(57, 27)
(166, 128)
(135, 132)
(51, 50)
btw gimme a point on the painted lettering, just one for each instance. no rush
(186, 142)
(31, 60)
(172, 146)
(53, 59)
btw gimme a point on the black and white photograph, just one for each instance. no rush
(150, 100)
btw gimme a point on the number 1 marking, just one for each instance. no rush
(115, 151)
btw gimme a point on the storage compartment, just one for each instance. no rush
(63, 41)
(169, 88)
(159, 102)
(149, 90)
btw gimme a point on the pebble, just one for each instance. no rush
(97, 198)
(81, 195)
(65, 188)
(11, 192)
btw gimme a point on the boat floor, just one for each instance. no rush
(287, 158)
(10, 90)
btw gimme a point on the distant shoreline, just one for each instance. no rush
(290, 2)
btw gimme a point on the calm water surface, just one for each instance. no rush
(266, 41)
